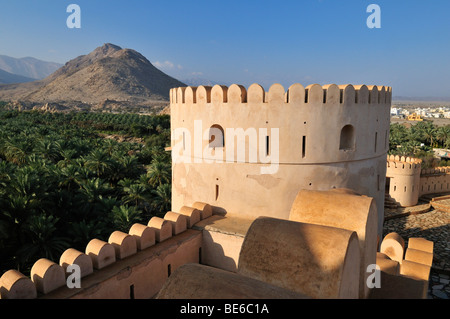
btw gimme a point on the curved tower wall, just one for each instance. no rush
(404, 175)
(316, 138)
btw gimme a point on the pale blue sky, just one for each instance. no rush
(305, 41)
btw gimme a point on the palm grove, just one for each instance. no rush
(419, 140)
(63, 183)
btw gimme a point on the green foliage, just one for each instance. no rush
(418, 141)
(62, 183)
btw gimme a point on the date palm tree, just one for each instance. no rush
(162, 199)
(98, 161)
(125, 216)
(42, 241)
(136, 194)
(158, 173)
(443, 134)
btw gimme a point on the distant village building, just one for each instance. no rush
(395, 111)
(414, 117)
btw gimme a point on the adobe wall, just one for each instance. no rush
(435, 181)
(308, 127)
(133, 265)
(404, 175)
(408, 181)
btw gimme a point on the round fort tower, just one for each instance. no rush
(248, 152)
(403, 179)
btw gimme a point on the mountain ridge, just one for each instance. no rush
(28, 67)
(108, 73)
(9, 78)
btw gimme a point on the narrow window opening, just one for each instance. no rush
(395, 188)
(304, 147)
(347, 141)
(267, 146)
(132, 292)
(306, 96)
(376, 142)
(169, 270)
(324, 96)
(217, 191)
(405, 189)
(341, 97)
(216, 136)
(385, 139)
(200, 255)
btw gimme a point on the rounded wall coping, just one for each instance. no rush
(415, 270)
(193, 215)
(421, 244)
(144, 235)
(162, 227)
(72, 256)
(342, 208)
(204, 208)
(393, 246)
(179, 222)
(418, 256)
(314, 260)
(47, 275)
(124, 244)
(102, 253)
(15, 285)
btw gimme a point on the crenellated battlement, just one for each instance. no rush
(296, 94)
(356, 119)
(435, 171)
(162, 245)
(413, 165)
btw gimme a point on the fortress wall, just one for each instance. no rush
(435, 181)
(315, 113)
(326, 136)
(129, 266)
(240, 189)
(408, 181)
(404, 175)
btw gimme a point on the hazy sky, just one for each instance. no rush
(246, 41)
